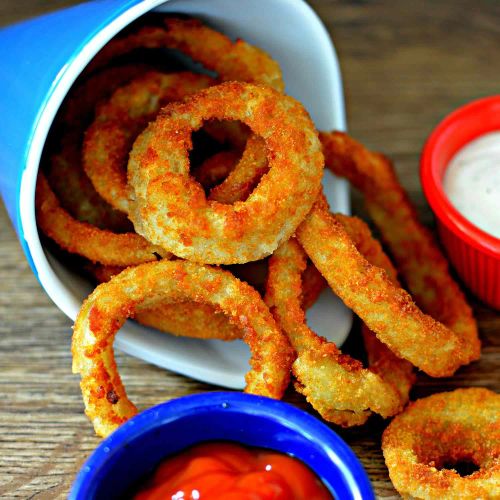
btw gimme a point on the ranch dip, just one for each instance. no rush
(472, 182)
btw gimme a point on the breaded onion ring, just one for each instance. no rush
(231, 60)
(203, 321)
(148, 37)
(216, 168)
(97, 245)
(433, 434)
(386, 309)
(243, 179)
(190, 319)
(171, 209)
(148, 285)
(313, 284)
(416, 254)
(65, 173)
(381, 359)
(75, 191)
(237, 60)
(336, 385)
(118, 122)
(184, 319)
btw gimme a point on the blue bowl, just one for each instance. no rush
(134, 450)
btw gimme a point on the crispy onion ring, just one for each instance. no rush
(336, 385)
(171, 209)
(246, 174)
(75, 191)
(443, 430)
(216, 168)
(203, 321)
(184, 319)
(386, 309)
(118, 122)
(107, 308)
(417, 256)
(65, 172)
(190, 319)
(231, 60)
(148, 37)
(97, 245)
(381, 359)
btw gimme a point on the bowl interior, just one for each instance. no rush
(312, 75)
(141, 443)
(452, 134)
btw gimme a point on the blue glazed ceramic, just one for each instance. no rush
(133, 451)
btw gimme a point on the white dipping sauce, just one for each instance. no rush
(472, 182)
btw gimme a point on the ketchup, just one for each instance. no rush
(226, 471)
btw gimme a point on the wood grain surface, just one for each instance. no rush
(405, 64)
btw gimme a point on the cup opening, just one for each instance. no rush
(452, 134)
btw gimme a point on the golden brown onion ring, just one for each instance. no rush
(184, 319)
(416, 254)
(65, 172)
(336, 385)
(147, 285)
(233, 61)
(216, 168)
(385, 308)
(381, 359)
(97, 245)
(245, 176)
(171, 209)
(118, 122)
(202, 321)
(422, 444)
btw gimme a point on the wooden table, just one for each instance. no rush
(405, 64)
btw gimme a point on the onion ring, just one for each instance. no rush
(118, 122)
(313, 284)
(441, 430)
(184, 319)
(171, 209)
(336, 385)
(417, 256)
(385, 308)
(97, 245)
(381, 359)
(190, 319)
(231, 60)
(107, 308)
(216, 168)
(202, 321)
(148, 37)
(75, 191)
(65, 172)
(243, 179)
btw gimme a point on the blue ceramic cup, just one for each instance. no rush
(41, 59)
(133, 450)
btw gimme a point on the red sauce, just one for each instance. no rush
(226, 471)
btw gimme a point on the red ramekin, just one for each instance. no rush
(474, 253)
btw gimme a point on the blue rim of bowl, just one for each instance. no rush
(341, 455)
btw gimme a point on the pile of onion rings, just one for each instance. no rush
(240, 244)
